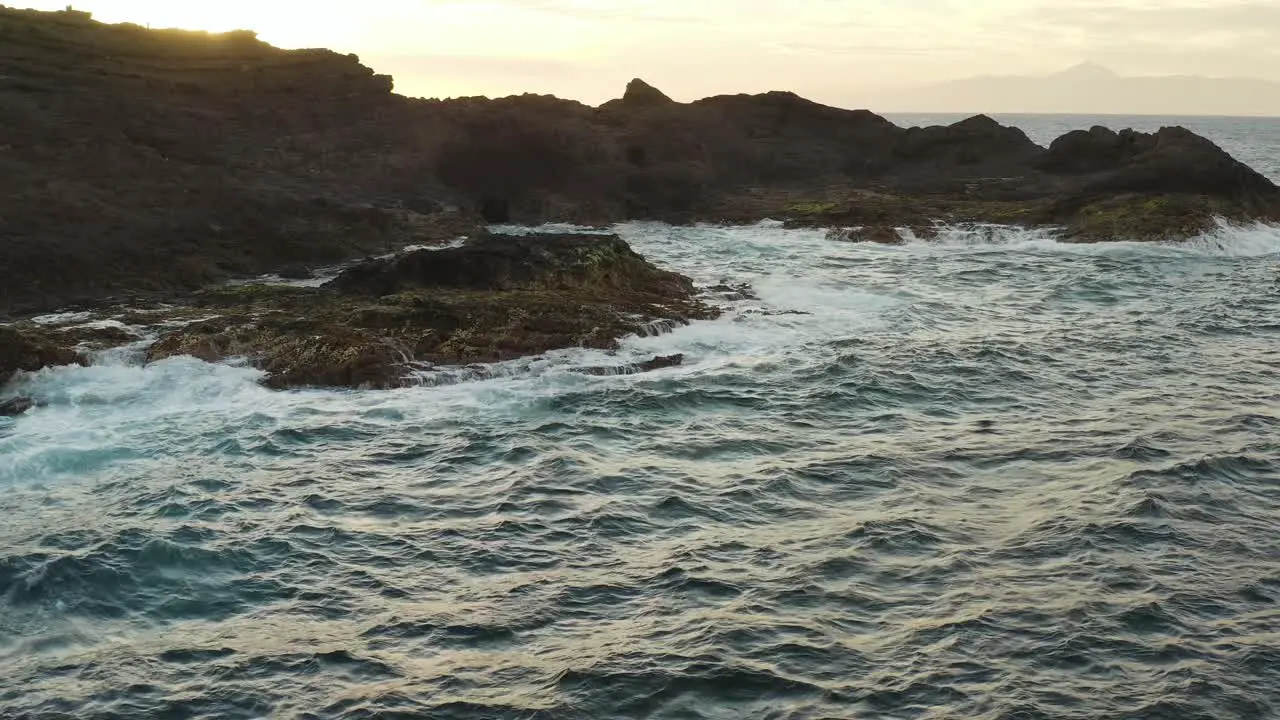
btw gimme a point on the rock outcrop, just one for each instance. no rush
(30, 349)
(495, 298)
(1152, 185)
(591, 263)
(640, 94)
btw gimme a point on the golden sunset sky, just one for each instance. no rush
(837, 51)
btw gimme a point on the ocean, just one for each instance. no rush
(990, 476)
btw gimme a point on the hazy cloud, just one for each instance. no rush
(1207, 38)
(602, 10)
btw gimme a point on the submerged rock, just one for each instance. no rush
(495, 299)
(660, 362)
(657, 363)
(733, 293)
(880, 234)
(16, 406)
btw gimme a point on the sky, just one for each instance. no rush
(836, 51)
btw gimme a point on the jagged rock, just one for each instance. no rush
(93, 337)
(660, 362)
(199, 163)
(641, 94)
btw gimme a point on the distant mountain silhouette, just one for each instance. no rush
(1091, 89)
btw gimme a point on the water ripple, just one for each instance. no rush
(991, 477)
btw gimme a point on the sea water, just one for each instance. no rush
(987, 476)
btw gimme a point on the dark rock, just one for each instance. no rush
(1094, 150)
(295, 272)
(15, 406)
(1176, 160)
(217, 156)
(881, 234)
(660, 362)
(513, 262)
(775, 313)
(641, 94)
(498, 298)
(734, 293)
(977, 141)
(1168, 185)
(657, 363)
(297, 352)
(152, 161)
(30, 349)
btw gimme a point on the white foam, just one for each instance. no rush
(65, 318)
(100, 325)
(94, 416)
(1226, 239)
(808, 291)
(981, 234)
(319, 277)
(1237, 240)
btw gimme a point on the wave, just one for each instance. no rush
(807, 308)
(1225, 239)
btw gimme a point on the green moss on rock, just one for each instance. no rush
(476, 304)
(1145, 218)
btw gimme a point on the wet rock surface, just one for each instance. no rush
(495, 299)
(30, 349)
(659, 362)
(15, 406)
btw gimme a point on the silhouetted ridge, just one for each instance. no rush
(641, 94)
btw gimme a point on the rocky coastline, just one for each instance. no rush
(142, 170)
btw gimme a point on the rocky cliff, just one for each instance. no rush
(134, 160)
(138, 161)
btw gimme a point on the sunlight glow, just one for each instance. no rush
(285, 24)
